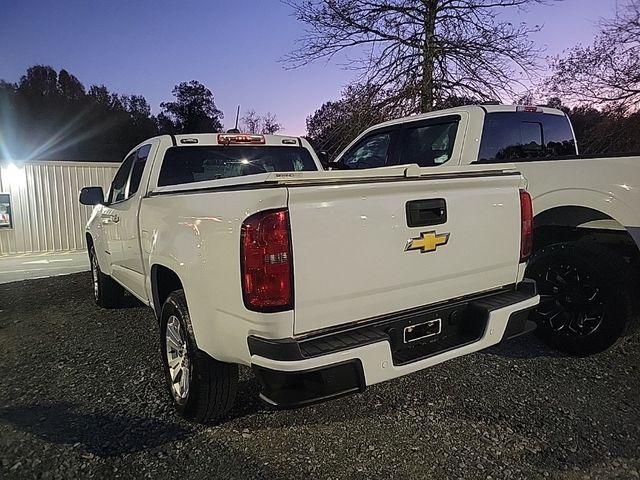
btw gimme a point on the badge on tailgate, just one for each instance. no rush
(427, 242)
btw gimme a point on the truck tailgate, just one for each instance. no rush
(354, 257)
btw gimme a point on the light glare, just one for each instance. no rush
(13, 175)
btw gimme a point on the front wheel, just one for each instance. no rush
(586, 303)
(202, 389)
(107, 293)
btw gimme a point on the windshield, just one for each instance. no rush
(197, 164)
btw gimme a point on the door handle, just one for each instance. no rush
(108, 219)
(422, 213)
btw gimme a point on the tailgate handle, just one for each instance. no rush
(422, 213)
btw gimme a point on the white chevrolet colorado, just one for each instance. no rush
(586, 224)
(322, 282)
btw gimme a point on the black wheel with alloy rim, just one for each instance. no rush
(571, 300)
(107, 293)
(178, 363)
(202, 388)
(585, 296)
(94, 277)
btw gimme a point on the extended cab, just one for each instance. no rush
(322, 282)
(587, 208)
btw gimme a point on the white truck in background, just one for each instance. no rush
(586, 208)
(322, 282)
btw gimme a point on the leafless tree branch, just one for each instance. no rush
(428, 49)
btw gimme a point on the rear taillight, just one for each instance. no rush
(266, 262)
(526, 226)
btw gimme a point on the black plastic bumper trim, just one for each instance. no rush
(284, 349)
(306, 387)
(519, 324)
(377, 329)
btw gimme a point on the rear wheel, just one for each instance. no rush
(586, 303)
(106, 292)
(202, 388)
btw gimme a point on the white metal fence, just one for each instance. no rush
(44, 212)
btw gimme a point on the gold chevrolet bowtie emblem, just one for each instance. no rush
(427, 242)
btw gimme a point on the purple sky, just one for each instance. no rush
(146, 47)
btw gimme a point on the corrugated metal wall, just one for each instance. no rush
(47, 216)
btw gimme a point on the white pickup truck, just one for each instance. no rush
(586, 258)
(322, 282)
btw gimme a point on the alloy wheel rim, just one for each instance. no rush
(178, 361)
(571, 300)
(94, 274)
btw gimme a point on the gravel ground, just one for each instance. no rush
(83, 396)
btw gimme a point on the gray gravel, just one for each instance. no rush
(82, 396)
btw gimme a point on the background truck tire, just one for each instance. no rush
(211, 385)
(107, 292)
(586, 299)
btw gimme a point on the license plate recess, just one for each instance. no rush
(418, 336)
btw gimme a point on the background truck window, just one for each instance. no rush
(522, 136)
(370, 152)
(429, 145)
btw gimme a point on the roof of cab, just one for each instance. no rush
(488, 108)
(193, 139)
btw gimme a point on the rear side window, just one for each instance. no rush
(198, 164)
(522, 136)
(119, 184)
(138, 168)
(429, 145)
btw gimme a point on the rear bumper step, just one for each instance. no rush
(472, 311)
(299, 372)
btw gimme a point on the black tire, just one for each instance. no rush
(212, 385)
(586, 300)
(106, 292)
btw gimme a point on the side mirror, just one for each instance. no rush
(91, 196)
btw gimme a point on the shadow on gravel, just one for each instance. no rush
(526, 346)
(129, 301)
(247, 399)
(102, 435)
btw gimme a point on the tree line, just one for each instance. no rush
(409, 56)
(50, 115)
(414, 56)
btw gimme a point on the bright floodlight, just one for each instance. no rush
(13, 175)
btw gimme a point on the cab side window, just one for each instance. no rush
(429, 145)
(118, 189)
(138, 167)
(370, 152)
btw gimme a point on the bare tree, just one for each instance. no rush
(265, 124)
(251, 121)
(422, 51)
(270, 124)
(606, 72)
(336, 123)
